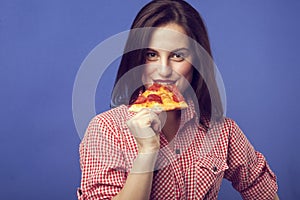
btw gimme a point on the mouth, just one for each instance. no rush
(164, 82)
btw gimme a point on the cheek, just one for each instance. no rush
(185, 70)
(146, 73)
(148, 69)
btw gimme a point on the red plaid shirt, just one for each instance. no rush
(192, 166)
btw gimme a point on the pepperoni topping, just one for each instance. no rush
(140, 99)
(154, 87)
(154, 97)
(174, 97)
(167, 88)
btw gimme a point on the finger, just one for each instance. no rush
(141, 118)
(146, 115)
(156, 109)
(163, 118)
(155, 122)
(144, 119)
(142, 112)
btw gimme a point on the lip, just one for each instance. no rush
(164, 82)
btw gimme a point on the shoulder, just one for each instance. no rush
(233, 128)
(232, 131)
(110, 122)
(226, 131)
(230, 124)
(226, 125)
(113, 116)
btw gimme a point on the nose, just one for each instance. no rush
(164, 69)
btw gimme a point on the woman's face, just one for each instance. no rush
(168, 58)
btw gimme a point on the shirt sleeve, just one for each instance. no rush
(101, 161)
(248, 170)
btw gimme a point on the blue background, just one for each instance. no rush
(43, 43)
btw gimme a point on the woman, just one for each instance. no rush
(181, 154)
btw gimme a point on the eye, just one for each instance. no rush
(178, 56)
(151, 56)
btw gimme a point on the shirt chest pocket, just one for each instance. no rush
(204, 176)
(211, 165)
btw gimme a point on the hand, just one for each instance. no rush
(144, 126)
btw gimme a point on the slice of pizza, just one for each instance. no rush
(166, 97)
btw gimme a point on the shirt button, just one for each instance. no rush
(215, 169)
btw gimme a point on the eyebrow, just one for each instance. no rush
(175, 50)
(181, 49)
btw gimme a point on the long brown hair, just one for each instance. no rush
(161, 12)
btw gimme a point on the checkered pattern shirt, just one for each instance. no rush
(191, 166)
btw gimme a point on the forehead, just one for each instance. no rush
(169, 37)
